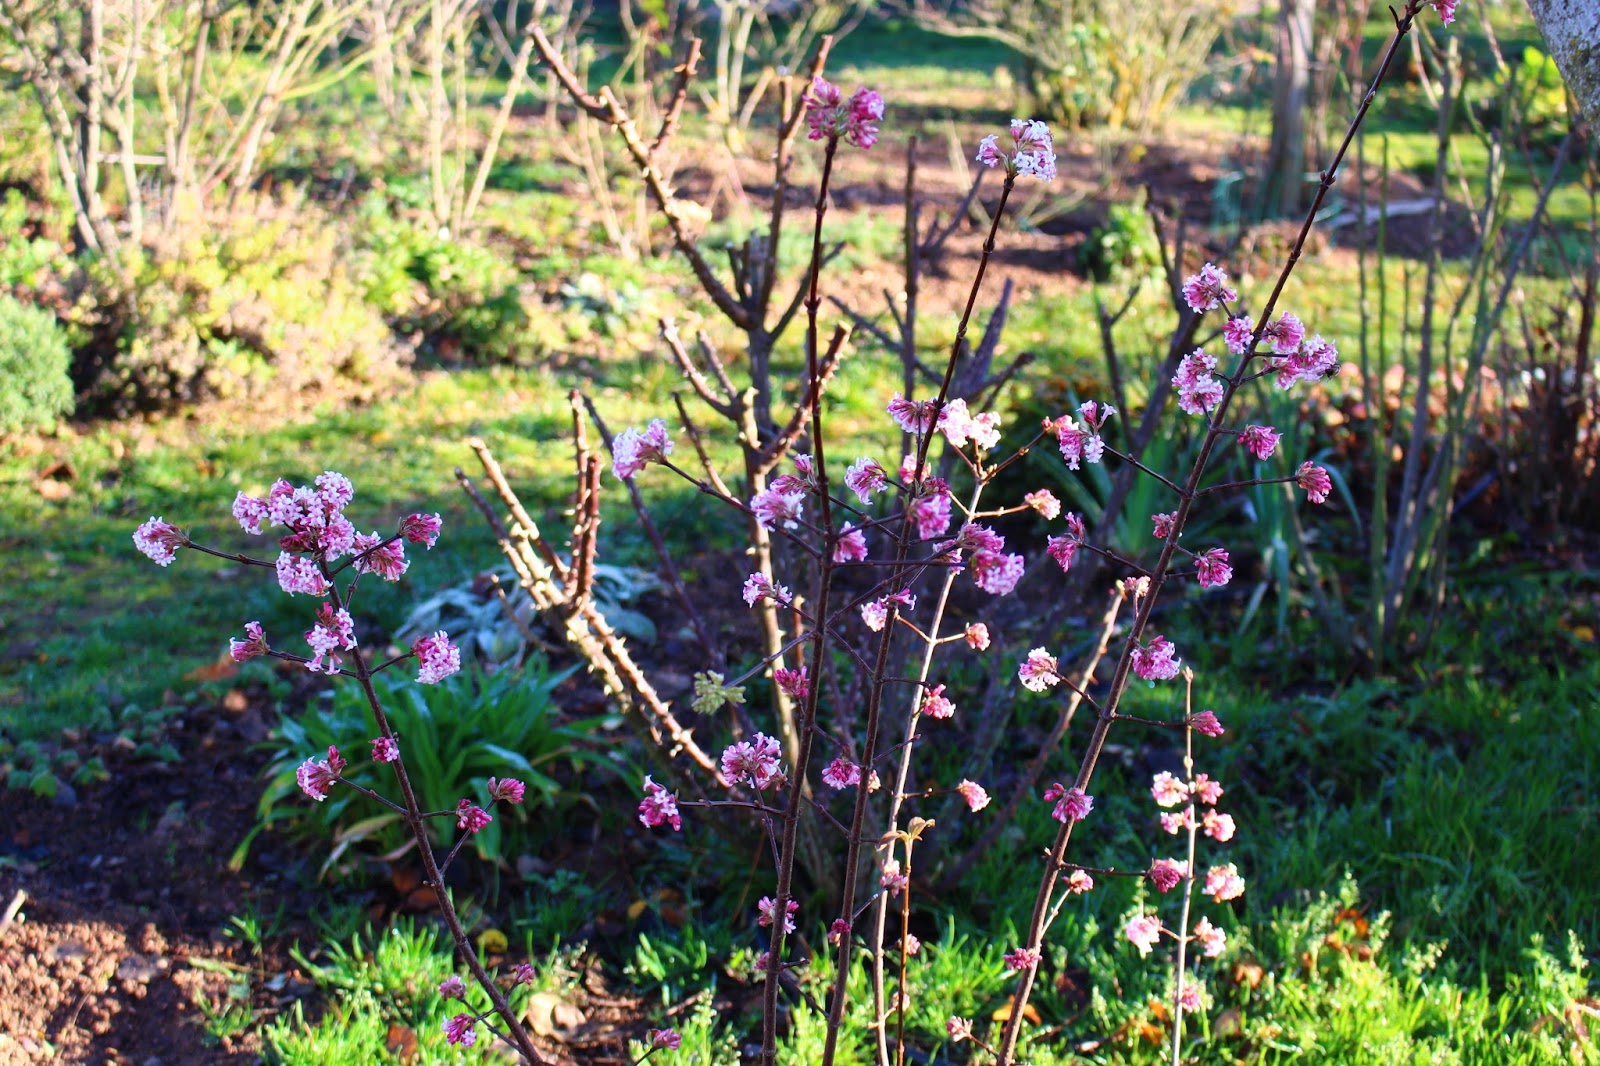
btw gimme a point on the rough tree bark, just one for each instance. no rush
(1571, 31)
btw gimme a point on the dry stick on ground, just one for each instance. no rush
(583, 625)
(1055, 863)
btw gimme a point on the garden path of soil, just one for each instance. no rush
(128, 893)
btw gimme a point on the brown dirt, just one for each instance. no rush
(127, 889)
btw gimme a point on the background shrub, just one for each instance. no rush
(266, 301)
(34, 357)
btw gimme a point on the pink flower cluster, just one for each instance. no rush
(864, 477)
(1072, 804)
(1156, 661)
(1033, 151)
(633, 449)
(160, 541)
(841, 773)
(1199, 389)
(1208, 289)
(766, 913)
(830, 116)
(316, 776)
(1083, 443)
(659, 807)
(1039, 671)
(437, 658)
(960, 426)
(754, 761)
(1064, 549)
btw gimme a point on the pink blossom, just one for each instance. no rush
(1176, 822)
(1446, 9)
(316, 776)
(875, 615)
(864, 477)
(160, 541)
(792, 683)
(462, 1029)
(1162, 524)
(1157, 662)
(335, 539)
(1198, 390)
(1072, 804)
(1166, 873)
(1205, 290)
(754, 760)
(379, 555)
(1019, 959)
(891, 879)
(1044, 501)
(1206, 723)
(1190, 997)
(1283, 337)
(977, 636)
(1224, 883)
(1077, 443)
(1078, 882)
(334, 629)
(838, 931)
(1143, 932)
(663, 1039)
(385, 749)
(767, 909)
(959, 1029)
(936, 705)
(421, 528)
(1211, 566)
(912, 416)
(506, 790)
(453, 987)
(1237, 333)
(1259, 441)
(1063, 549)
(1211, 939)
(335, 490)
(254, 644)
(1033, 154)
(1038, 671)
(1208, 790)
(977, 799)
(659, 807)
(974, 538)
(829, 117)
(996, 573)
(471, 817)
(773, 509)
(1095, 414)
(1315, 480)
(523, 973)
(633, 450)
(250, 512)
(841, 773)
(851, 547)
(1219, 827)
(1168, 790)
(931, 515)
(759, 587)
(956, 423)
(437, 658)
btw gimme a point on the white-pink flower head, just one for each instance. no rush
(1019, 959)
(254, 644)
(1315, 480)
(977, 636)
(1079, 882)
(935, 704)
(766, 913)
(633, 449)
(316, 776)
(864, 477)
(1038, 671)
(912, 416)
(1166, 873)
(1072, 804)
(1224, 883)
(996, 573)
(841, 773)
(851, 547)
(1156, 661)
(1207, 289)
(1259, 441)
(1142, 932)
(759, 586)
(754, 761)
(1044, 501)
(773, 508)
(1168, 790)
(1211, 566)
(461, 1029)
(659, 807)
(1237, 333)
(159, 540)
(437, 658)
(977, 799)
(1218, 826)
(1211, 939)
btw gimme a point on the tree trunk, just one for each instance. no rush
(1571, 31)
(1286, 158)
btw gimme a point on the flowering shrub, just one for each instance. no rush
(875, 563)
